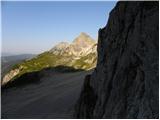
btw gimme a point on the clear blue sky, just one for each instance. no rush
(33, 27)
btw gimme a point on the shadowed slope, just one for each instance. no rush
(54, 96)
(35, 77)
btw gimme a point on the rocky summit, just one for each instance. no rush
(81, 46)
(81, 54)
(125, 82)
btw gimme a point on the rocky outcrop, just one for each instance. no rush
(81, 46)
(125, 83)
(25, 79)
(60, 48)
(9, 76)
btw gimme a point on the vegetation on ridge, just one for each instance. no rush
(61, 55)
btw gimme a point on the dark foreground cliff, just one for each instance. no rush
(125, 83)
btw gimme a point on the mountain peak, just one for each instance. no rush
(84, 38)
(59, 47)
(83, 34)
(81, 46)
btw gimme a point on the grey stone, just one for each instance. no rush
(125, 83)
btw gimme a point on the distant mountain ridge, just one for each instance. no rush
(79, 47)
(80, 54)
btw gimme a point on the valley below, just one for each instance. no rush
(54, 96)
(113, 78)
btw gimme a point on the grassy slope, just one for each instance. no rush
(48, 59)
(83, 64)
(40, 62)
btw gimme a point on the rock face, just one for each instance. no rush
(60, 48)
(9, 76)
(125, 83)
(81, 46)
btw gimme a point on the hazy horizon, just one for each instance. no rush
(34, 27)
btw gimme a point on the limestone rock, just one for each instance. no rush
(81, 46)
(125, 83)
(9, 76)
(60, 48)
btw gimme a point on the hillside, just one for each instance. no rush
(52, 95)
(7, 62)
(80, 54)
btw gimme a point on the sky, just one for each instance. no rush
(34, 27)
